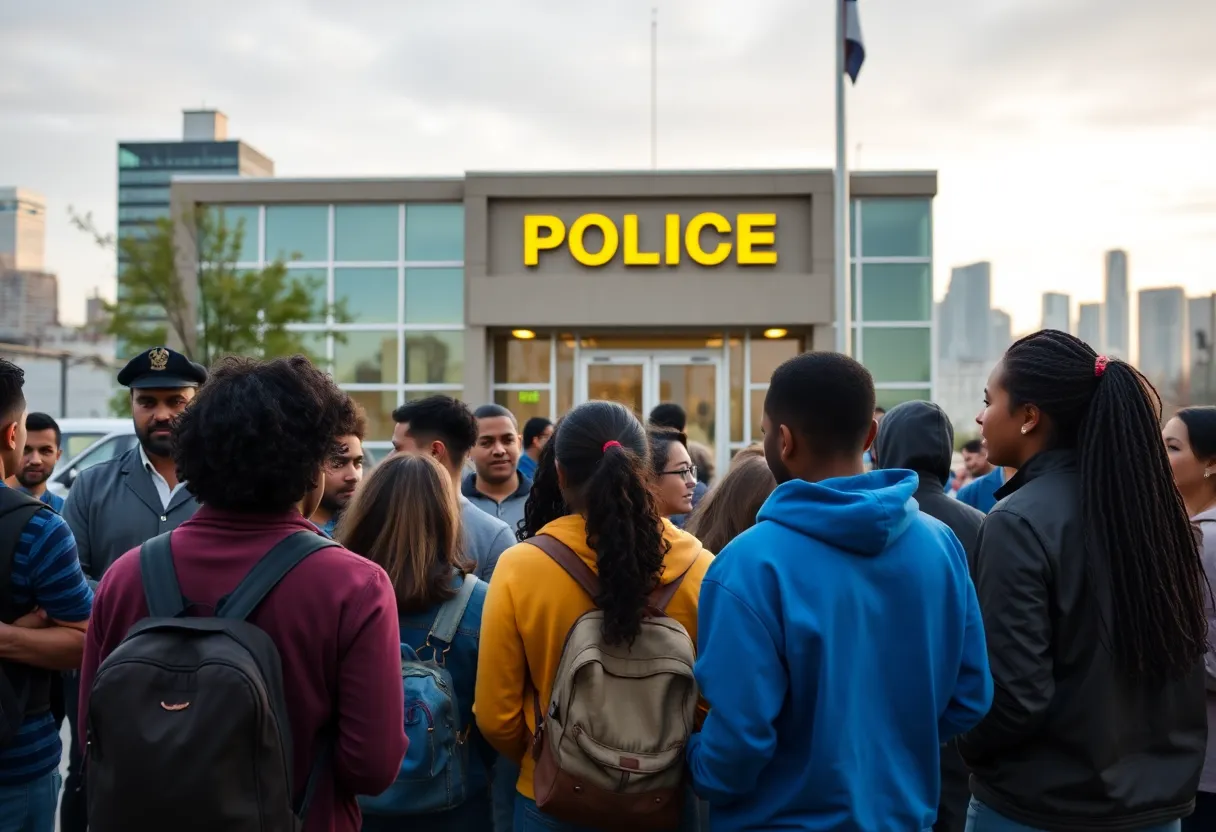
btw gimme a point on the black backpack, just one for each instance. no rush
(24, 691)
(188, 727)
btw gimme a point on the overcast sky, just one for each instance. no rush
(1060, 128)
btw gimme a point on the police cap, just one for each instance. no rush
(161, 368)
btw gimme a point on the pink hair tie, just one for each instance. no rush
(1100, 365)
(611, 443)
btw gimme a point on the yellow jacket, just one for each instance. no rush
(531, 605)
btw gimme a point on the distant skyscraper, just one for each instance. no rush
(29, 304)
(1001, 333)
(22, 230)
(1165, 342)
(964, 321)
(1201, 315)
(1057, 312)
(1115, 309)
(1089, 324)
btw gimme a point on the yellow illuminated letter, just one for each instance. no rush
(671, 238)
(612, 239)
(747, 237)
(692, 239)
(534, 243)
(633, 257)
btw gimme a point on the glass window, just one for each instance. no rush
(887, 399)
(315, 281)
(370, 294)
(365, 358)
(142, 195)
(736, 390)
(757, 406)
(297, 232)
(895, 228)
(434, 296)
(565, 373)
(366, 232)
(434, 232)
(524, 404)
(143, 213)
(897, 354)
(379, 406)
(416, 395)
(312, 343)
(521, 362)
(246, 218)
(157, 177)
(434, 357)
(770, 353)
(896, 292)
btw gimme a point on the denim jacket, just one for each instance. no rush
(461, 662)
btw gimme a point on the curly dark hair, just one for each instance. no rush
(256, 436)
(609, 486)
(1133, 515)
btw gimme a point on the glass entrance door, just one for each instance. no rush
(640, 380)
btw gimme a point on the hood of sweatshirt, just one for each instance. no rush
(862, 515)
(683, 548)
(917, 436)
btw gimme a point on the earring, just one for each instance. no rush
(1025, 428)
(1207, 474)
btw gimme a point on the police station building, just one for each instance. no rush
(540, 291)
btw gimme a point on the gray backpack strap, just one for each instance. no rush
(156, 570)
(447, 620)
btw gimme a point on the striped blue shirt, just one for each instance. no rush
(50, 498)
(46, 572)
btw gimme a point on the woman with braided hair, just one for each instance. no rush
(1092, 590)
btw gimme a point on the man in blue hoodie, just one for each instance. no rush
(840, 641)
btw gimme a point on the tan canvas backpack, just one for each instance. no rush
(610, 750)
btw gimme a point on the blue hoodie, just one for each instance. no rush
(840, 643)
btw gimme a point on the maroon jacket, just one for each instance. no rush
(334, 621)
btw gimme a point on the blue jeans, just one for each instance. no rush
(30, 807)
(502, 787)
(528, 818)
(981, 818)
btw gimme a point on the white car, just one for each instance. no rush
(79, 434)
(113, 444)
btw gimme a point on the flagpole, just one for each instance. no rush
(844, 341)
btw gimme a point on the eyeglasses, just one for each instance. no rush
(689, 472)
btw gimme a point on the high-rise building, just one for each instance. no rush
(1089, 324)
(1165, 342)
(1116, 328)
(1201, 320)
(29, 304)
(1000, 333)
(22, 229)
(1057, 312)
(965, 332)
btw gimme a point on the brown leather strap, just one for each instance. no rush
(663, 593)
(566, 558)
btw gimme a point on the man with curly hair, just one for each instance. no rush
(252, 448)
(343, 472)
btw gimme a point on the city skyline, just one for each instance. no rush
(1037, 176)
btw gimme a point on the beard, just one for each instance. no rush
(497, 475)
(28, 479)
(335, 503)
(161, 446)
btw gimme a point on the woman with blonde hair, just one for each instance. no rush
(731, 506)
(405, 519)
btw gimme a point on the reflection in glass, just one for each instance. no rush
(736, 389)
(366, 232)
(434, 296)
(379, 406)
(694, 388)
(521, 362)
(770, 353)
(366, 358)
(313, 343)
(245, 217)
(297, 231)
(897, 354)
(417, 395)
(565, 373)
(316, 282)
(434, 232)
(895, 228)
(887, 399)
(524, 404)
(434, 357)
(897, 292)
(757, 412)
(616, 383)
(370, 294)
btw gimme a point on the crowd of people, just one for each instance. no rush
(579, 626)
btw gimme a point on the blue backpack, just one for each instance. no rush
(434, 773)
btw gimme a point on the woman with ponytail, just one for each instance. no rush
(592, 493)
(1092, 591)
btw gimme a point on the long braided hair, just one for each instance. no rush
(1133, 515)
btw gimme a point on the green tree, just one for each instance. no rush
(214, 308)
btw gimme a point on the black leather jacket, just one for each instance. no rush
(1069, 746)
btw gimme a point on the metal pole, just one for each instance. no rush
(654, 88)
(63, 387)
(844, 323)
(1211, 385)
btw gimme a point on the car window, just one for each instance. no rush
(75, 443)
(110, 448)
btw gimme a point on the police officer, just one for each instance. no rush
(119, 504)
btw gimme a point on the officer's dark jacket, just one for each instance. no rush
(114, 507)
(1069, 744)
